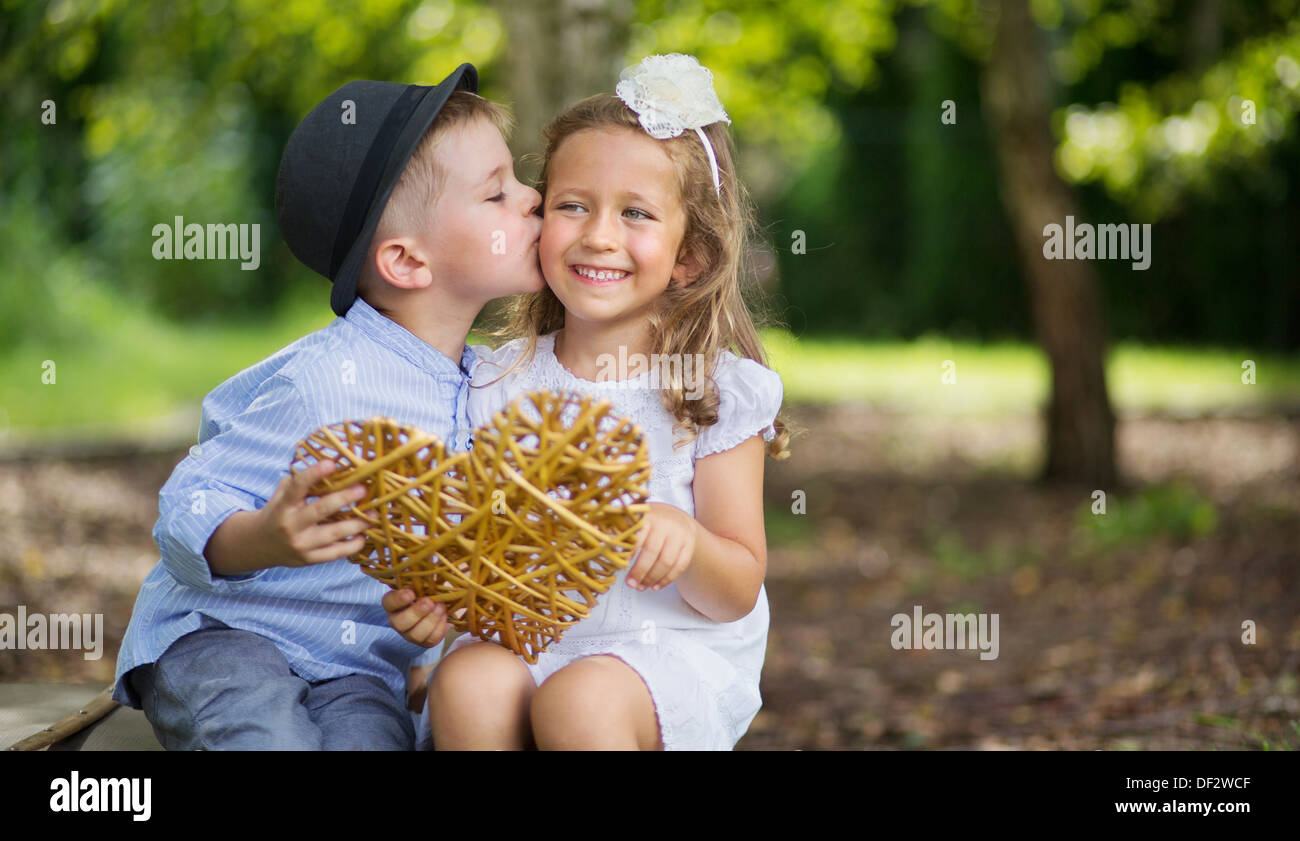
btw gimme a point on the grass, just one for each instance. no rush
(953, 556)
(127, 368)
(1252, 738)
(139, 370)
(784, 528)
(1012, 378)
(1174, 510)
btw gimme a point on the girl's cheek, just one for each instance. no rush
(548, 230)
(644, 247)
(549, 253)
(551, 222)
(555, 235)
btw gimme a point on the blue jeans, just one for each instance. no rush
(224, 689)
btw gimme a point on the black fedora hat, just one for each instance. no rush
(341, 164)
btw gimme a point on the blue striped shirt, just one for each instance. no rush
(326, 618)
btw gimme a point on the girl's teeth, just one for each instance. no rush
(600, 275)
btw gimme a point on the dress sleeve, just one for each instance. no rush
(749, 399)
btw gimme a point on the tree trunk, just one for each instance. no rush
(1204, 36)
(1065, 303)
(557, 52)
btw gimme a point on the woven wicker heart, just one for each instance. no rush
(518, 536)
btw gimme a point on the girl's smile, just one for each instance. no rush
(598, 276)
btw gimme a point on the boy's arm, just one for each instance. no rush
(288, 530)
(229, 475)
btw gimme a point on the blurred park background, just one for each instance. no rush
(963, 398)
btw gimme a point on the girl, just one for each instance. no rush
(641, 249)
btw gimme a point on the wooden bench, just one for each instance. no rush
(99, 724)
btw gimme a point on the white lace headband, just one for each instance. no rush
(672, 93)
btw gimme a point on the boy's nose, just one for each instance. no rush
(532, 200)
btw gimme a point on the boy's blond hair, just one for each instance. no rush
(423, 179)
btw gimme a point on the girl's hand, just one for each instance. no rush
(664, 547)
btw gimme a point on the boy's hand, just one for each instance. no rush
(422, 622)
(664, 547)
(292, 532)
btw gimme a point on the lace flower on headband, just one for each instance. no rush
(670, 94)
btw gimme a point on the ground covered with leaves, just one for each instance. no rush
(1117, 630)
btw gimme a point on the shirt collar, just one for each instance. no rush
(383, 330)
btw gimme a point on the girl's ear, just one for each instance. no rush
(689, 268)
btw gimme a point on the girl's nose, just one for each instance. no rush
(598, 235)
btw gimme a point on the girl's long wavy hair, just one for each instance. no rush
(703, 317)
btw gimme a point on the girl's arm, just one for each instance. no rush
(723, 549)
(730, 561)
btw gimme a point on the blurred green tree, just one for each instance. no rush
(172, 109)
(1021, 84)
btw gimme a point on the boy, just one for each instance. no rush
(253, 631)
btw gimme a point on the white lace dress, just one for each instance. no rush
(702, 675)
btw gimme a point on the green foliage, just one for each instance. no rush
(775, 64)
(1252, 738)
(1158, 142)
(1175, 511)
(900, 237)
(785, 528)
(172, 109)
(38, 273)
(1152, 125)
(953, 556)
(181, 109)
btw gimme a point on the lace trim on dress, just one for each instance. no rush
(733, 437)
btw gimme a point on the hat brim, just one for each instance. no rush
(345, 280)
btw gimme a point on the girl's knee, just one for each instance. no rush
(478, 699)
(479, 671)
(596, 702)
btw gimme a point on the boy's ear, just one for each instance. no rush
(401, 263)
(689, 267)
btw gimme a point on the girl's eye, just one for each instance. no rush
(641, 213)
(568, 205)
